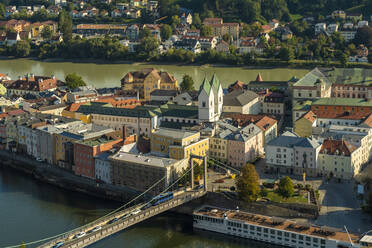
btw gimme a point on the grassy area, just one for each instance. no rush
(275, 197)
(296, 17)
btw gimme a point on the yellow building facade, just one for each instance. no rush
(148, 80)
(178, 144)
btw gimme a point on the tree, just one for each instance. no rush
(22, 48)
(176, 20)
(363, 36)
(286, 53)
(196, 20)
(46, 33)
(148, 47)
(344, 59)
(144, 33)
(74, 81)
(226, 37)
(187, 83)
(206, 31)
(65, 25)
(247, 183)
(2, 10)
(165, 32)
(286, 188)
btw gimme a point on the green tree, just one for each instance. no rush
(187, 83)
(286, 53)
(286, 188)
(165, 32)
(65, 25)
(248, 183)
(144, 33)
(22, 48)
(226, 37)
(363, 36)
(148, 48)
(74, 81)
(2, 10)
(176, 20)
(206, 31)
(47, 33)
(344, 59)
(196, 20)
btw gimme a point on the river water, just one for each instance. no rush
(109, 75)
(31, 210)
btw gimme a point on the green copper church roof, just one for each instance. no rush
(215, 82)
(206, 86)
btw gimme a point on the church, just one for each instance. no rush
(210, 100)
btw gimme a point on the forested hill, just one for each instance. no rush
(265, 10)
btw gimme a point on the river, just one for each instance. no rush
(31, 210)
(109, 75)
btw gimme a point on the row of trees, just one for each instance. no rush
(262, 10)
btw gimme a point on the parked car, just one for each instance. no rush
(57, 245)
(79, 235)
(39, 160)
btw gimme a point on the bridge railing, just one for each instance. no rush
(85, 228)
(109, 229)
(120, 225)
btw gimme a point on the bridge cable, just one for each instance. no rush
(110, 213)
(224, 166)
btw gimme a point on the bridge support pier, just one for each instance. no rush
(192, 172)
(205, 165)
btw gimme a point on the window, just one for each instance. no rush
(203, 104)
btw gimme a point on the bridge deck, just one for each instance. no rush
(121, 224)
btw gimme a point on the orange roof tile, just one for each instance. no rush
(345, 115)
(265, 123)
(335, 147)
(310, 116)
(368, 121)
(74, 107)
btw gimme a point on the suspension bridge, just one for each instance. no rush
(129, 214)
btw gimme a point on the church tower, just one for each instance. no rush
(210, 100)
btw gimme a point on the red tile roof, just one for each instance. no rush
(368, 121)
(310, 116)
(74, 106)
(335, 147)
(345, 115)
(264, 122)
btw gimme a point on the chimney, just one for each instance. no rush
(124, 132)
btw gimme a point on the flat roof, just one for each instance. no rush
(277, 223)
(174, 133)
(143, 159)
